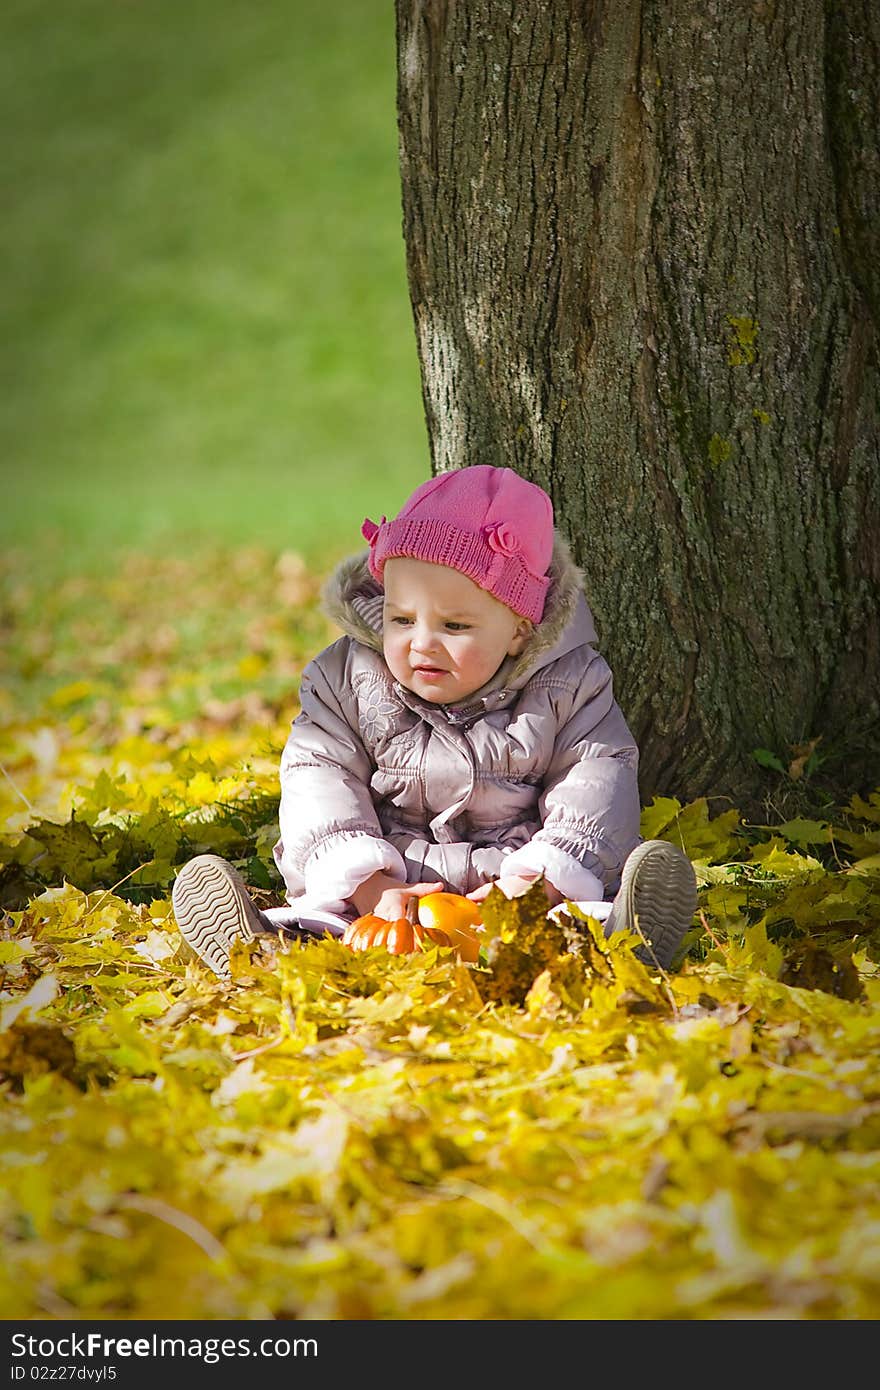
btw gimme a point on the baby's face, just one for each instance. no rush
(443, 636)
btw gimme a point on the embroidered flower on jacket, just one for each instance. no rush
(501, 537)
(376, 714)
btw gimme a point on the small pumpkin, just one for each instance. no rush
(444, 919)
(455, 915)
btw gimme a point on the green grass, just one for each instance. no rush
(207, 327)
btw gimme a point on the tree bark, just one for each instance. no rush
(642, 250)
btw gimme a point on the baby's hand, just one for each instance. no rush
(513, 886)
(392, 903)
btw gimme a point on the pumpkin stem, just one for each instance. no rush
(412, 911)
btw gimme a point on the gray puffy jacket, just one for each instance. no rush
(536, 773)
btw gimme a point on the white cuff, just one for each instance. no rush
(566, 873)
(600, 910)
(335, 870)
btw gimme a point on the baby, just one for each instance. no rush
(462, 733)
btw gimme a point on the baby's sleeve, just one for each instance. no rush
(589, 803)
(330, 839)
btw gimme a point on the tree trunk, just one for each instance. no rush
(642, 249)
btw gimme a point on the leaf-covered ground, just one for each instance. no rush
(555, 1133)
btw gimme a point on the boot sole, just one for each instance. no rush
(213, 910)
(658, 891)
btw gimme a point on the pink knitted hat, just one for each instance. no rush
(489, 523)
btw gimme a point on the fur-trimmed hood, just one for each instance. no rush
(353, 600)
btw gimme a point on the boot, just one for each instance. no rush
(656, 900)
(213, 910)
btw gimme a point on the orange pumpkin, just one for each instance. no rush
(444, 919)
(455, 915)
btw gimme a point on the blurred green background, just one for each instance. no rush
(207, 331)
